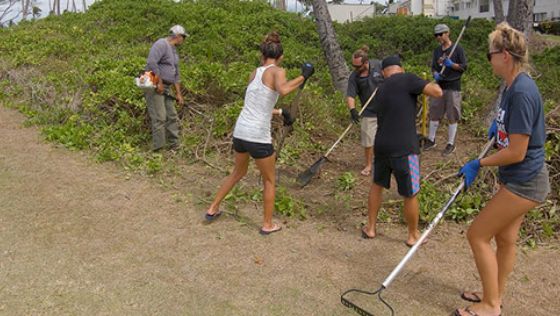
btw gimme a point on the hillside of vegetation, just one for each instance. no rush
(72, 75)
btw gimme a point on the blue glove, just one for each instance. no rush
(470, 171)
(493, 130)
(438, 77)
(447, 62)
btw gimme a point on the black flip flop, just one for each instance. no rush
(477, 298)
(212, 217)
(365, 235)
(410, 246)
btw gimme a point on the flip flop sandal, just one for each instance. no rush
(477, 298)
(212, 217)
(468, 311)
(410, 246)
(365, 235)
(472, 297)
(276, 228)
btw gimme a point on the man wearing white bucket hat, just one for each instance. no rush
(163, 60)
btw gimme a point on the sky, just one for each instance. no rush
(42, 4)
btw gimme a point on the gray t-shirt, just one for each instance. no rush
(364, 86)
(164, 61)
(521, 112)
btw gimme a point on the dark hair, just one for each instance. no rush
(393, 60)
(271, 47)
(362, 53)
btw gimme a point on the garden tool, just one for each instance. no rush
(305, 177)
(360, 310)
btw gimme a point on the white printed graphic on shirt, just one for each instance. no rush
(502, 138)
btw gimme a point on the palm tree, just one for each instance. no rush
(331, 48)
(520, 15)
(498, 11)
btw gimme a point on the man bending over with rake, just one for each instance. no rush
(396, 145)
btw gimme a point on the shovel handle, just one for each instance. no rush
(350, 125)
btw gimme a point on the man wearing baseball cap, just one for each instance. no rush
(450, 82)
(396, 147)
(163, 60)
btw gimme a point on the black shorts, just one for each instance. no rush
(256, 150)
(406, 170)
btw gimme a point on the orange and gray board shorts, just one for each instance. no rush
(406, 170)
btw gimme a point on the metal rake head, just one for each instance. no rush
(361, 311)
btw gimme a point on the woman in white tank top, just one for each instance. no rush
(252, 135)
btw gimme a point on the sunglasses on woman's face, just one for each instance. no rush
(438, 34)
(489, 54)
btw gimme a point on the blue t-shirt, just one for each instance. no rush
(521, 112)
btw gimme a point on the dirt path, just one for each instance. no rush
(77, 237)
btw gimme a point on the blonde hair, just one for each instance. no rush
(506, 38)
(362, 53)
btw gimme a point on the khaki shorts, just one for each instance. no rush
(449, 104)
(368, 131)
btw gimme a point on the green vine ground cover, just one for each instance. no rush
(72, 75)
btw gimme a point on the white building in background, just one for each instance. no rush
(433, 8)
(346, 12)
(543, 10)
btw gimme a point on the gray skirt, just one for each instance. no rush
(536, 189)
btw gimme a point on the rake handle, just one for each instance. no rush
(433, 224)
(350, 125)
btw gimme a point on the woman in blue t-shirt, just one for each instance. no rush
(520, 136)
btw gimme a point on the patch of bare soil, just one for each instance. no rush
(77, 237)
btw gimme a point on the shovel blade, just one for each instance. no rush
(305, 177)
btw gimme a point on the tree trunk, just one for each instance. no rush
(520, 15)
(281, 5)
(331, 49)
(84, 5)
(24, 9)
(498, 11)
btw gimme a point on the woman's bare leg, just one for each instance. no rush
(239, 171)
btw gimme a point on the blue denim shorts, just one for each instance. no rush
(536, 189)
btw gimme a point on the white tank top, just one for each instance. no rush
(253, 124)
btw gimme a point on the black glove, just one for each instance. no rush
(307, 70)
(354, 116)
(288, 119)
